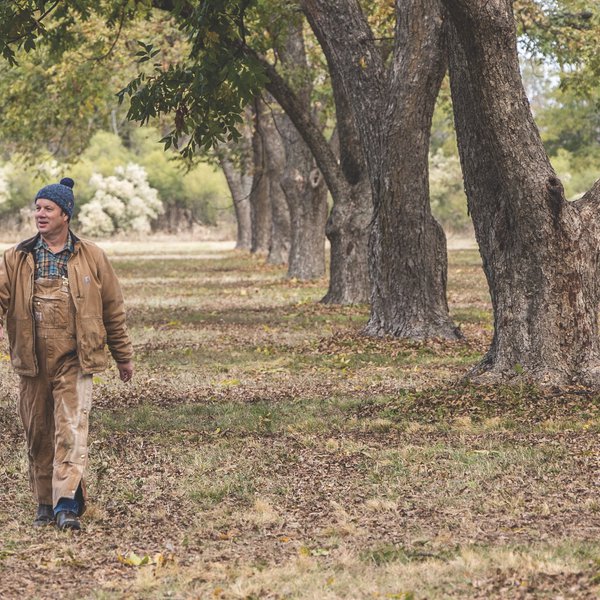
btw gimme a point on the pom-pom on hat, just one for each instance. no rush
(60, 193)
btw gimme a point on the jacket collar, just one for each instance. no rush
(28, 245)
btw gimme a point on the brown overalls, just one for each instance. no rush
(55, 405)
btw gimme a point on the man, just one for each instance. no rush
(63, 305)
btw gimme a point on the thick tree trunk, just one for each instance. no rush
(260, 203)
(349, 223)
(240, 194)
(275, 166)
(393, 109)
(540, 252)
(302, 183)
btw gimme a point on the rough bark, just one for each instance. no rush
(260, 203)
(239, 185)
(306, 195)
(302, 182)
(393, 110)
(540, 252)
(274, 170)
(279, 253)
(349, 223)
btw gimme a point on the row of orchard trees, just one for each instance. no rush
(386, 62)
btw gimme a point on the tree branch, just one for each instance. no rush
(37, 21)
(304, 123)
(117, 37)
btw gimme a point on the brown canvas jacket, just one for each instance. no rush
(96, 293)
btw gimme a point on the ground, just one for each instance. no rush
(268, 449)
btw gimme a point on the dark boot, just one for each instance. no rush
(66, 519)
(44, 516)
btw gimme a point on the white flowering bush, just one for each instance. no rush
(123, 202)
(49, 170)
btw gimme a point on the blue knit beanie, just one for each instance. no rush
(61, 194)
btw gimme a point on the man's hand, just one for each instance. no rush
(125, 370)
(1, 333)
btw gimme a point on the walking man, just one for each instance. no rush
(63, 305)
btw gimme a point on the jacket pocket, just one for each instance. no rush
(92, 344)
(21, 344)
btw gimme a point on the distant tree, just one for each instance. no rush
(570, 121)
(279, 250)
(64, 89)
(240, 185)
(302, 183)
(260, 201)
(236, 161)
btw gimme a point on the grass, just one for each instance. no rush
(268, 449)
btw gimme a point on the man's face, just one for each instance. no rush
(49, 217)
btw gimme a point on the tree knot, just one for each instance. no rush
(315, 178)
(555, 197)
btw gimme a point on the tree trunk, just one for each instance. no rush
(540, 252)
(260, 203)
(237, 181)
(349, 223)
(175, 220)
(279, 253)
(306, 195)
(347, 229)
(393, 109)
(274, 170)
(302, 183)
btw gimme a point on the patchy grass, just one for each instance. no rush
(268, 449)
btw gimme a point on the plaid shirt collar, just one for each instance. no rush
(50, 264)
(69, 246)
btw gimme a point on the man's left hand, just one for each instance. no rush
(125, 370)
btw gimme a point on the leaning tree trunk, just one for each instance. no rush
(306, 195)
(302, 182)
(393, 109)
(260, 203)
(237, 183)
(274, 170)
(540, 252)
(349, 188)
(349, 223)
